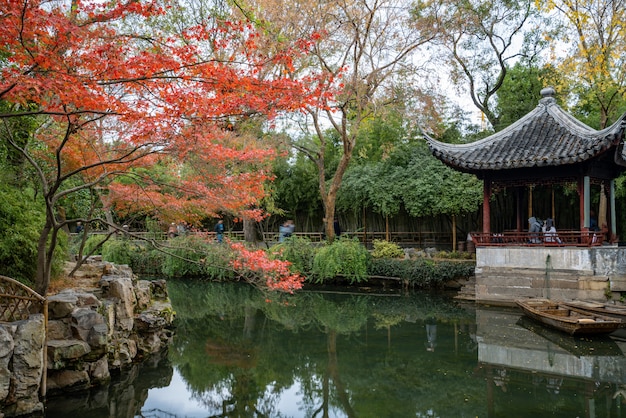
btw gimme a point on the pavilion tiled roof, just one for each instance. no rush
(546, 137)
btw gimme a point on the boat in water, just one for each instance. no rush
(618, 312)
(567, 318)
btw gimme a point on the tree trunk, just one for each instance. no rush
(453, 233)
(249, 230)
(42, 277)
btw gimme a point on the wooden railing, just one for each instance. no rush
(565, 238)
(416, 239)
(18, 301)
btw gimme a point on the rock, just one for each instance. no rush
(121, 290)
(62, 304)
(143, 294)
(159, 290)
(59, 329)
(99, 370)
(28, 363)
(68, 379)
(82, 322)
(62, 352)
(89, 334)
(6, 352)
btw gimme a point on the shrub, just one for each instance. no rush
(22, 217)
(119, 251)
(386, 249)
(299, 251)
(421, 272)
(147, 260)
(94, 241)
(191, 256)
(344, 257)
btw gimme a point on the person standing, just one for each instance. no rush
(286, 230)
(337, 227)
(219, 230)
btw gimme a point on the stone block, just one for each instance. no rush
(82, 322)
(62, 352)
(59, 329)
(68, 380)
(6, 353)
(62, 304)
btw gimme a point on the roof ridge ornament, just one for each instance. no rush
(547, 95)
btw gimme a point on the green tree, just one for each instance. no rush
(594, 70)
(521, 91)
(479, 40)
(364, 49)
(411, 178)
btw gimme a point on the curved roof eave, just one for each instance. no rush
(546, 136)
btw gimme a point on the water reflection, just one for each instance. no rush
(240, 353)
(565, 375)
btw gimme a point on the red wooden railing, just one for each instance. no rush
(564, 238)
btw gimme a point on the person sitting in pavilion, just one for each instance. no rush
(534, 228)
(549, 233)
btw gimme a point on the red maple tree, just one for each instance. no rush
(112, 103)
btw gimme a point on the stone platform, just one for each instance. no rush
(504, 274)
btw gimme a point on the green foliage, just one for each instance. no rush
(147, 260)
(191, 256)
(386, 249)
(343, 257)
(520, 92)
(296, 190)
(118, 251)
(22, 217)
(421, 272)
(21, 220)
(94, 241)
(299, 251)
(454, 255)
(413, 178)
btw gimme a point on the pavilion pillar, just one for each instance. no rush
(583, 198)
(486, 209)
(519, 194)
(613, 219)
(586, 201)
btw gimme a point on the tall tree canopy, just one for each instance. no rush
(594, 70)
(478, 42)
(364, 49)
(113, 96)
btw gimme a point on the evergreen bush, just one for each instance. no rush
(22, 217)
(119, 251)
(93, 243)
(343, 258)
(421, 272)
(191, 256)
(299, 251)
(386, 249)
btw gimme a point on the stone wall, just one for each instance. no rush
(504, 274)
(91, 332)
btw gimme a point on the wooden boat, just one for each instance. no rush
(578, 345)
(574, 321)
(600, 308)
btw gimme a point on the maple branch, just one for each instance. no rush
(56, 113)
(123, 159)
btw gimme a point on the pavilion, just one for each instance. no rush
(546, 147)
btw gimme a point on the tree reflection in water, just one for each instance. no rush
(246, 348)
(239, 352)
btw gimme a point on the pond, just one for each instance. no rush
(241, 353)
